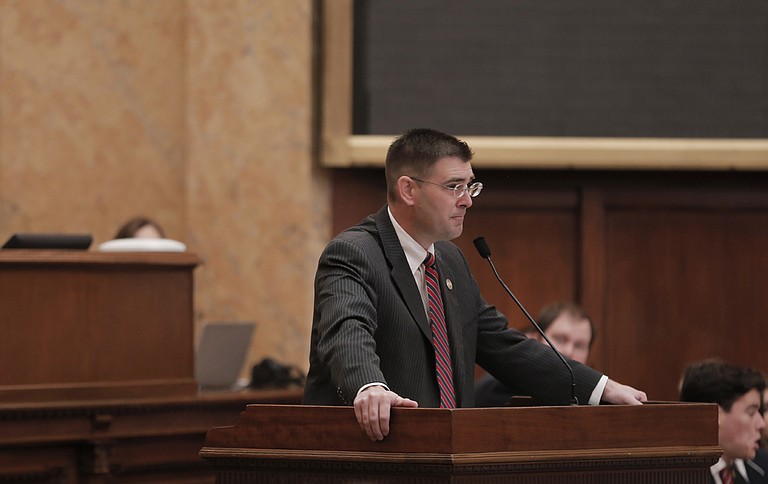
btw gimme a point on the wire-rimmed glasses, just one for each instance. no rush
(473, 188)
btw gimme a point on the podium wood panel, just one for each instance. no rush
(88, 325)
(652, 443)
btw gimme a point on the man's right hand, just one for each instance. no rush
(372, 409)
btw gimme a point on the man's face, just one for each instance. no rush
(765, 415)
(739, 429)
(571, 336)
(439, 214)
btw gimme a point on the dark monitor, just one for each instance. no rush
(49, 241)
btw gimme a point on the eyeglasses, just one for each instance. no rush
(473, 188)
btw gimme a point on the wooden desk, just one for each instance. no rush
(97, 382)
(119, 441)
(83, 325)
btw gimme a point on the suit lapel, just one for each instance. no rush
(401, 271)
(755, 472)
(738, 478)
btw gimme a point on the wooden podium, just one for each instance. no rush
(653, 443)
(97, 382)
(81, 325)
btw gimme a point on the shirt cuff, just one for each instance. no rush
(597, 393)
(368, 385)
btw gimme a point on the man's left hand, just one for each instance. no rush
(622, 394)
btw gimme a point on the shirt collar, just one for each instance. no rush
(414, 253)
(720, 465)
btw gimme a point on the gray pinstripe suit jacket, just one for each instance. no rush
(370, 325)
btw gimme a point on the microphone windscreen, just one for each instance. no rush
(482, 247)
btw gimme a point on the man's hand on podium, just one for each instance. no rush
(622, 394)
(372, 409)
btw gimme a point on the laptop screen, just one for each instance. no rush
(221, 352)
(48, 241)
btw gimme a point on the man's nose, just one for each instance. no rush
(760, 421)
(567, 350)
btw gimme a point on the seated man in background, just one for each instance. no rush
(737, 391)
(570, 330)
(765, 417)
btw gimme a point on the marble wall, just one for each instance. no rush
(197, 113)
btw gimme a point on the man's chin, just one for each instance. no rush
(751, 453)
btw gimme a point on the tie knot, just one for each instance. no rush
(430, 260)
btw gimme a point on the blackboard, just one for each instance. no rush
(584, 68)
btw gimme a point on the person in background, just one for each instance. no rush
(568, 327)
(399, 320)
(141, 228)
(737, 391)
(765, 417)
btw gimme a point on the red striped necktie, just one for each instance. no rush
(726, 475)
(439, 335)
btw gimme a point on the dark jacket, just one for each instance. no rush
(370, 325)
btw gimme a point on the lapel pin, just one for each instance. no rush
(448, 284)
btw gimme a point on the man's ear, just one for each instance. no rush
(406, 187)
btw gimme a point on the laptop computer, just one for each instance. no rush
(48, 241)
(220, 354)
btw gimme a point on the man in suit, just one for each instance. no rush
(570, 330)
(391, 329)
(737, 391)
(764, 442)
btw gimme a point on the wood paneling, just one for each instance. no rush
(119, 440)
(526, 242)
(681, 285)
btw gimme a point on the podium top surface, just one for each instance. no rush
(305, 427)
(67, 257)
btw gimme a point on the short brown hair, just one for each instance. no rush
(414, 153)
(552, 311)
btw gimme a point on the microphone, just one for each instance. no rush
(485, 252)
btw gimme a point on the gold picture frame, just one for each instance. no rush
(340, 148)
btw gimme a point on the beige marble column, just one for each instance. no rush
(92, 106)
(197, 113)
(258, 208)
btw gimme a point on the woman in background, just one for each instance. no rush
(140, 228)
